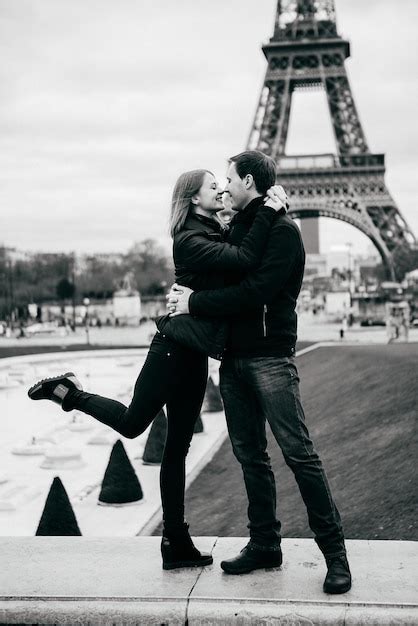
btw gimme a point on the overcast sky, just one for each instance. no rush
(103, 103)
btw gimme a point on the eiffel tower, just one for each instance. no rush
(306, 51)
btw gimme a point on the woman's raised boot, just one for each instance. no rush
(58, 389)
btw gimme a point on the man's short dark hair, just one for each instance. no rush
(261, 167)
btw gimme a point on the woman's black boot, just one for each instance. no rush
(177, 550)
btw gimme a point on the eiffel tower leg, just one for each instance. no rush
(348, 131)
(372, 228)
(254, 136)
(274, 127)
(395, 233)
(283, 125)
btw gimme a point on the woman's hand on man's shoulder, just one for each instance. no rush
(276, 198)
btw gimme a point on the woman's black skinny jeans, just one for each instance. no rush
(174, 376)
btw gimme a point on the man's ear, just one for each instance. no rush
(249, 181)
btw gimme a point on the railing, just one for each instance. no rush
(328, 160)
(305, 161)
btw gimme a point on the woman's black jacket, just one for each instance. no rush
(203, 260)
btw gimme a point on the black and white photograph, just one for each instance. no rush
(208, 312)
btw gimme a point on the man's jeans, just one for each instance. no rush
(267, 388)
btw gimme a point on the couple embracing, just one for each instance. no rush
(234, 299)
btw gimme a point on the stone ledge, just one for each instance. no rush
(95, 612)
(255, 613)
(106, 581)
(171, 612)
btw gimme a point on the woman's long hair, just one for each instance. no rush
(187, 186)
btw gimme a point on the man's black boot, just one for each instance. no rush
(251, 558)
(55, 389)
(338, 578)
(178, 550)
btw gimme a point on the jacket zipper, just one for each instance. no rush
(264, 320)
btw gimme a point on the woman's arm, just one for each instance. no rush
(198, 253)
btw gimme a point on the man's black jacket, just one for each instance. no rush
(262, 306)
(203, 260)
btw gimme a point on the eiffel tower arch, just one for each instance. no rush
(306, 51)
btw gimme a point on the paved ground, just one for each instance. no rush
(24, 479)
(54, 580)
(317, 328)
(310, 329)
(136, 336)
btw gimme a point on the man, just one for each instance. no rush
(259, 379)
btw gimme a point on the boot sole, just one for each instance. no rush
(37, 386)
(248, 570)
(179, 564)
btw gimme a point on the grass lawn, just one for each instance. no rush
(361, 409)
(7, 351)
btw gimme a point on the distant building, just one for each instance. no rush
(367, 265)
(318, 284)
(310, 234)
(127, 302)
(315, 264)
(16, 255)
(337, 304)
(339, 258)
(126, 307)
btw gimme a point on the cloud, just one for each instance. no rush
(103, 104)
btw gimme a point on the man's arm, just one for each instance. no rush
(260, 286)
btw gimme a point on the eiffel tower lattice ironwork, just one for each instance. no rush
(307, 51)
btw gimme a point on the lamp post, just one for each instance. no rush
(12, 293)
(350, 288)
(86, 303)
(73, 262)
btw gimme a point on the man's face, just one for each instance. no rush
(235, 187)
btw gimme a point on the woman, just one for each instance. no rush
(173, 374)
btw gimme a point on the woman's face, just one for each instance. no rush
(209, 196)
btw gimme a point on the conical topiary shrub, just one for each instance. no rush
(120, 483)
(212, 402)
(198, 427)
(154, 448)
(58, 518)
